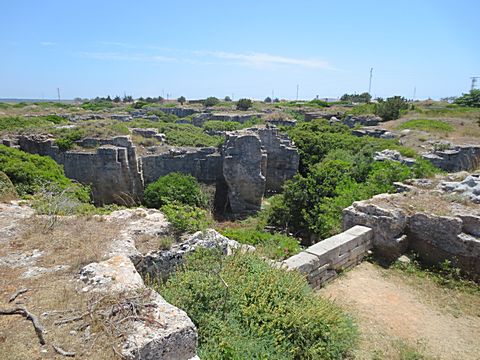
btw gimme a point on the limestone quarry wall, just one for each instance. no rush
(111, 168)
(204, 164)
(325, 260)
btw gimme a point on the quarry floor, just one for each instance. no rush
(403, 316)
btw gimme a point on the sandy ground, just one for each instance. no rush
(396, 315)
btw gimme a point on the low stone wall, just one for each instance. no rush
(325, 260)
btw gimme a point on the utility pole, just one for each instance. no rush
(474, 81)
(370, 81)
(414, 92)
(297, 92)
(58, 93)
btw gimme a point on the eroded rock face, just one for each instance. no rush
(244, 168)
(363, 120)
(469, 187)
(388, 226)
(460, 158)
(393, 155)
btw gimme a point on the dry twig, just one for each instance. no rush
(17, 294)
(20, 310)
(59, 350)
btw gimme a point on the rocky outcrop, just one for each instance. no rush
(177, 111)
(393, 155)
(459, 158)
(374, 132)
(242, 118)
(282, 158)
(469, 187)
(244, 166)
(362, 120)
(434, 237)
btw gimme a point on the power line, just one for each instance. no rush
(370, 82)
(474, 81)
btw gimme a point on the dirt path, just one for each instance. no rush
(401, 318)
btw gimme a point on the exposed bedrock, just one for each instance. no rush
(433, 237)
(244, 166)
(460, 158)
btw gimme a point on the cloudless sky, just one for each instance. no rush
(245, 48)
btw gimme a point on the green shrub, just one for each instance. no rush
(211, 101)
(7, 189)
(274, 246)
(29, 173)
(390, 109)
(427, 125)
(186, 218)
(174, 188)
(218, 125)
(358, 98)
(56, 119)
(67, 141)
(472, 99)
(246, 309)
(16, 123)
(244, 104)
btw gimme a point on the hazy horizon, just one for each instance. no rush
(240, 49)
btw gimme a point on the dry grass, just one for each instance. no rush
(73, 242)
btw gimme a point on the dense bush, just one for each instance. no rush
(357, 98)
(337, 169)
(390, 108)
(472, 99)
(246, 309)
(244, 104)
(218, 125)
(16, 123)
(29, 173)
(211, 101)
(274, 246)
(186, 218)
(174, 188)
(96, 105)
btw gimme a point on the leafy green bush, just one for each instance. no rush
(186, 218)
(56, 119)
(29, 173)
(274, 246)
(174, 188)
(427, 125)
(358, 98)
(244, 104)
(390, 109)
(67, 141)
(96, 105)
(211, 101)
(246, 309)
(472, 99)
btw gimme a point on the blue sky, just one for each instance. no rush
(246, 48)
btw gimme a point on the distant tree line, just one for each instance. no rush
(357, 98)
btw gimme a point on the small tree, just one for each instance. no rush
(211, 101)
(181, 100)
(244, 104)
(268, 100)
(117, 99)
(276, 100)
(227, 99)
(390, 109)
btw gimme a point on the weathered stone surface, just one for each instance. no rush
(393, 155)
(244, 166)
(462, 157)
(114, 275)
(388, 226)
(282, 158)
(175, 339)
(163, 263)
(374, 132)
(177, 111)
(242, 117)
(469, 187)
